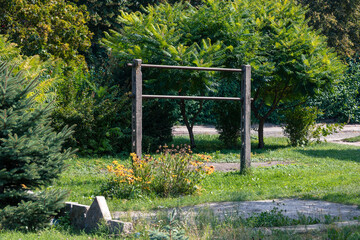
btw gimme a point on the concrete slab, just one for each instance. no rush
(97, 212)
(77, 213)
(117, 226)
(289, 207)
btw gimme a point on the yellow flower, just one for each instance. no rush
(193, 163)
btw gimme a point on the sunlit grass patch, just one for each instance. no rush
(352, 139)
(321, 171)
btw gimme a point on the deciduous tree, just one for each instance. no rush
(289, 60)
(338, 20)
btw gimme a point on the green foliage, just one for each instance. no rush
(101, 114)
(301, 127)
(172, 173)
(162, 37)
(32, 67)
(46, 28)
(289, 60)
(300, 123)
(276, 218)
(295, 60)
(158, 120)
(342, 102)
(338, 21)
(34, 213)
(170, 230)
(342, 233)
(228, 114)
(30, 151)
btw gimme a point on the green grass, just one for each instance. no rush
(48, 234)
(205, 225)
(324, 171)
(352, 139)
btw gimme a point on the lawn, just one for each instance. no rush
(323, 171)
(352, 139)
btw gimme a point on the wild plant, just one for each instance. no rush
(172, 172)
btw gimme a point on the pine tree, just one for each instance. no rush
(31, 155)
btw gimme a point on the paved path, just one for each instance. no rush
(292, 208)
(270, 130)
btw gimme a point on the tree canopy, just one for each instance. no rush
(338, 20)
(289, 59)
(46, 28)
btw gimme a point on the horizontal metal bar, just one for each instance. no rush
(192, 97)
(188, 68)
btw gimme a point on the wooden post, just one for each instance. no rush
(245, 158)
(136, 107)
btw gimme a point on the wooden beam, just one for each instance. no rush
(188, 68)
(192, 97)
(136, 144)
(245, 158)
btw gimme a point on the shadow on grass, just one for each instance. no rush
(341, 154)
(212, 144)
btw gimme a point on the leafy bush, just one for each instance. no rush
(98, 124)
(342, 103)
(101, 114)
(301, 127)
(173, 172)
(228, 114)
(31, 154)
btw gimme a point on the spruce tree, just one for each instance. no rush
(31, 154)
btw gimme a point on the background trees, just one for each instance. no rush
(338, 21)
(159, 37)
(46, 28)
(290, 61)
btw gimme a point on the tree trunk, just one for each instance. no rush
(187, 123)
(261, 133)
(191, 135)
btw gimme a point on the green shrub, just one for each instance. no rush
(342, 103)
(301, 127)
(173, 172)
(299, 124)
(35, 213)
(228, 113)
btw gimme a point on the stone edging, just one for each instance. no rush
(89, 217)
